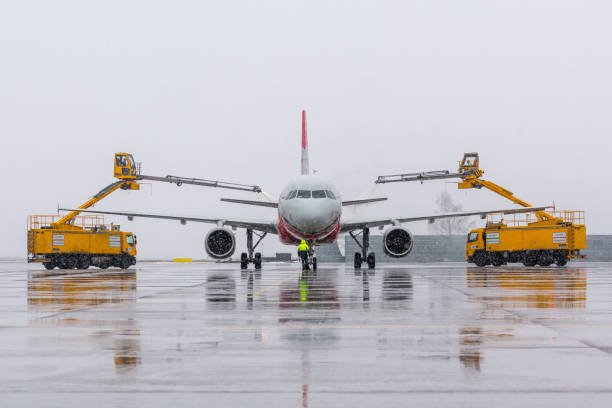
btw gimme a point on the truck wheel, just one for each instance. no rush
(530, 258)
(480, 258)
(544, 258)
(561, 261)
(125, 262)
(496, 259)
(68, 261)
(514, 257)
(49, 265)
(84, 262)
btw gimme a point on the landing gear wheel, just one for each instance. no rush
(244, 260)
(544, 258)
(125, 262)
(480, 258)
(49, 265)
(257, 260)
(357, 260)
(530, 258)
(496, 259)
(84, 262)
(314, 264)
(371, 260)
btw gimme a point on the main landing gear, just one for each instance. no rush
(250, 256)
(370, 258)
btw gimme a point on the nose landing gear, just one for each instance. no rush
(309, 259)
(251, 256)
(370, 258)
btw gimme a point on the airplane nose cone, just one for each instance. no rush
(311, 220)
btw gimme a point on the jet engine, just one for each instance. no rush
(397, 242)
(220, 243)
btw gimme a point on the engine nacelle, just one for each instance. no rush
(220, 243)
(397, 242)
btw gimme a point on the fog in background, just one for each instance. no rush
(215, 90)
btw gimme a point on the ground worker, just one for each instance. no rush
(303, 253)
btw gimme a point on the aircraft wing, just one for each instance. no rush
(364, 201)
(264, 226)
(357, 224)
(251, 202)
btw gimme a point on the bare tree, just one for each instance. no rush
(449, 226)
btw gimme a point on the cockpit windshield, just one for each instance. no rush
(310, 194)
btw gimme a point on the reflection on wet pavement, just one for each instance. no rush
(51, 296)
(287, 337)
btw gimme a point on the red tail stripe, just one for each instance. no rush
(304, 141)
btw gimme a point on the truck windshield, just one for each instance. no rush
(472, 236)
(130, 239)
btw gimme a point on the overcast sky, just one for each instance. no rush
(215, 90)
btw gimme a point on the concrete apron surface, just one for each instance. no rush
(203, 334)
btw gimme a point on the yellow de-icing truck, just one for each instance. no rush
(527, 240)
(542, 239)
(74, 241)
(539, 238)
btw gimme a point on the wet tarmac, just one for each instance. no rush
(210, 334)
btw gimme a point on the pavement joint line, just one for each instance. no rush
(338, 326)
(517, 313)
(272, 286)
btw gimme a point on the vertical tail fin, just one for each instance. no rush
(305, 162)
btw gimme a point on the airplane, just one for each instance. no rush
(309, 208)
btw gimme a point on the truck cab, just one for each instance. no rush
(475, 242)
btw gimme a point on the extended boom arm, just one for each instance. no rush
(470, 174)
(69, 218)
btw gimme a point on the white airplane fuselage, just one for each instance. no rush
(309, 208)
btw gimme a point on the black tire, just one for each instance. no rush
(480, 258)
(257, 260)
(244, 260)
(357, 260)
(125, 262)
(84, 261)
(544, 258)
(371, 260)
(530, 258)
(496, 259)
(561, 261)
(68, 261)
(49, 265)
(105, 264)
(314, 264)
(514, 257)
